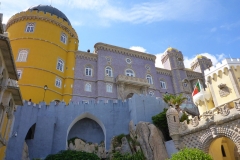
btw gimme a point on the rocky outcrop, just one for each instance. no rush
(125, 148)
(151, 141)
(25, 154)
(80, 145)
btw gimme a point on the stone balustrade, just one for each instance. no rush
(132, 80)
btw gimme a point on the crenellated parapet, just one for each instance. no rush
(86, 55)
(124, 51)
(39, 15)
(222, 67)
(164, 71)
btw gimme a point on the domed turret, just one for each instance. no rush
(50, 9)
(43, 43)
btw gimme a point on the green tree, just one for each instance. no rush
(160, 121)
(174, 100)
(191, 154)
(72, 155)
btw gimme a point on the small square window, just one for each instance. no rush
(109, 88)
(64, 38)
(58, 82)
(22, 55)
(88, 87)
(19, 73)
(30, 27)
(60, 65)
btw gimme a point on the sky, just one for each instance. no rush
(207, 27)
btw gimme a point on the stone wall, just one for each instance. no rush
(54, 121)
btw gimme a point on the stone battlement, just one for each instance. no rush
(42, 16)
(226, 63)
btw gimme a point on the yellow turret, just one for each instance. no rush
(43, 43)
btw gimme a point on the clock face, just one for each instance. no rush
(128, 60)
(108, 59)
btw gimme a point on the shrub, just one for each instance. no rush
(137, 156)
(184, 117)
(72, 155)
(160, 121)
(191, 154)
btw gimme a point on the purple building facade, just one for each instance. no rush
(112, 73)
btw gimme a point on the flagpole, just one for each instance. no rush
(203, 96)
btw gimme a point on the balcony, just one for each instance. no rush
(132, 81)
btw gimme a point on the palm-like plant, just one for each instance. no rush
(174, 100)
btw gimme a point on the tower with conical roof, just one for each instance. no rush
(44, 44)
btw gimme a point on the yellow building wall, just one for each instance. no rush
(44, 48)
(224, 79)
(216, 152)
(202, 105)
(2, 152)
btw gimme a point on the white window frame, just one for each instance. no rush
(108, 71)
(22, 55)
(109, 88)
(163, 84)
(63, 38)
(88, 71)
(88, 87)
(19, 73)
(58, 82)
(30, 27)
(60, 65)
(149, 79)
(132, 74)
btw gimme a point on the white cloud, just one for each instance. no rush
(215, 58)
(138, 48)
(107, 11)
(158, 62)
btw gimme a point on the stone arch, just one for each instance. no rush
(131, 91)
(90, 116)
(216, 132)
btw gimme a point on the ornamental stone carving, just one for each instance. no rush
(224, 110)
(183, 125)
(194, 122)
(213, 131)
(237, 104)
(223, 90)
(208, 115)
(121, 91)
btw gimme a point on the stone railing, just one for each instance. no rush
(12, 83)
(132, 80)
(215, 116)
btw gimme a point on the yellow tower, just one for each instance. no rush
(43, 43)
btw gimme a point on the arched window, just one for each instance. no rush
(88, 71)
(58, 82)
(163, 84)
(19, 73)
(22, 56)
(130, 73)
(88, 87)
(60, 65)
(149, 78)
(30, 27)
(63, 38)
(108, 71)
(109, 88)
(188, 98)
